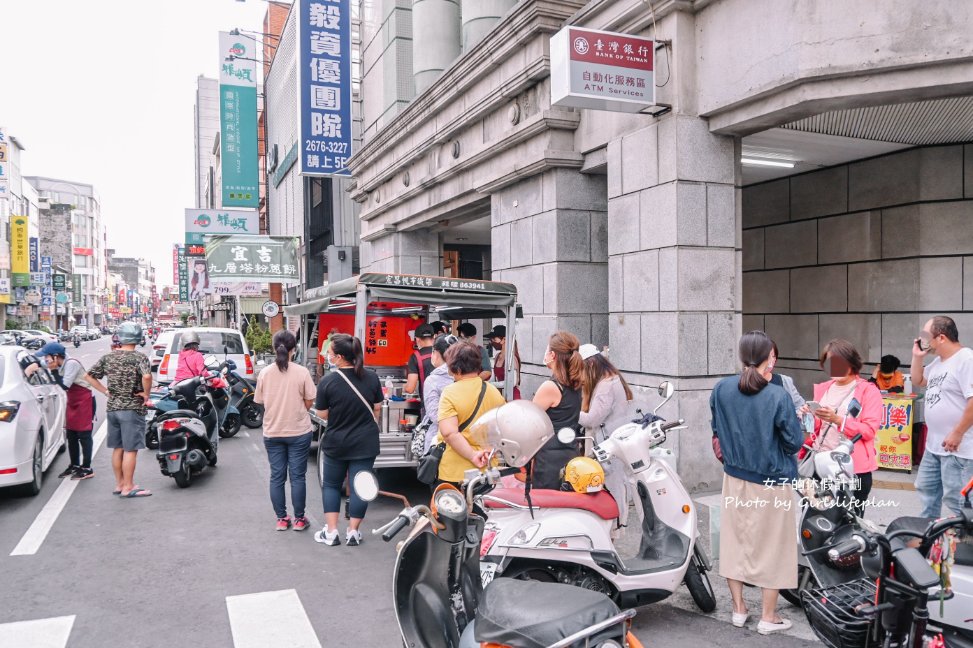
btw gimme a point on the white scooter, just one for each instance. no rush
(566, 537)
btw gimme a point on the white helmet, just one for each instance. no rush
(516, 430)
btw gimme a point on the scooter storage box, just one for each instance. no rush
(832, 613)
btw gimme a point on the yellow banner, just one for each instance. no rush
(894, 439)
(19, 251)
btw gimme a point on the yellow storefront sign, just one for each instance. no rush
(894, 439)
(19, 251)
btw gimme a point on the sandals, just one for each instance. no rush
(136, 492)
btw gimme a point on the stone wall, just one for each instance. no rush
(866, 251)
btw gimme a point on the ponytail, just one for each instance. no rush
(350, 349)
(568, 364)
(284, 342)
(755, 348)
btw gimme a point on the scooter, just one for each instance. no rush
(567, 537)
(894, 602)
(76, 341)
(166, 399)
(438, 598)
(241, 397)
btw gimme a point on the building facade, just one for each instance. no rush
(811, 179)
(206, 119)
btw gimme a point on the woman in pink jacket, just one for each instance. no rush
(846, 384)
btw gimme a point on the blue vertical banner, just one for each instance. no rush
(34, 254)
(238, 121)
(324, 41)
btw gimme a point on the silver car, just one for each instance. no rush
(32, 411)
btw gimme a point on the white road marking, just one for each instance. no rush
(36, 534)
(270, 619)
(39, 633)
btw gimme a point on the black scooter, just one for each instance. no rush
(437, 591)
(241, 397)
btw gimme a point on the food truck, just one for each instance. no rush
(383, 311)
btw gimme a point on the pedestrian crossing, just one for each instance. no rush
(256, 620)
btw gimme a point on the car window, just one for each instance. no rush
(38, 377)
(213, 342)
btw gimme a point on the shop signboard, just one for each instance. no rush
(183, 275)
(76, 290)
(47, 296)
(35, 253)
(264, 259)
(62, 298)
(602, 70)
(175, 263)
(324, 73)
(200, 222)
(32, 296)
(59, 281)
(5, 290)
(238, 288)
(19, 252)
(238, 120)
(4, 181)
(894, 439)
(38, 278)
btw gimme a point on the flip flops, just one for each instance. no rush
(136, 492)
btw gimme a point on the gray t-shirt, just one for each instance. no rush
(72, 373)
(949, 386)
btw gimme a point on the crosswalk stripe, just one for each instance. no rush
(39, 633)
(36, 534)
(270, 619)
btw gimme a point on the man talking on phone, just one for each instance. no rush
(947, 464)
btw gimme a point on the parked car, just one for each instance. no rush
(79, 330)
(31, 420)
(94, 333)
(7, 339)
(47, 337)
(27, 340)
(224, 343)
(159, 349)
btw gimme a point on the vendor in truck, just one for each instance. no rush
(420, 362)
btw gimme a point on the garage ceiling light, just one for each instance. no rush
(768, 163)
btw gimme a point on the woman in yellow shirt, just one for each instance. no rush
(459, 406)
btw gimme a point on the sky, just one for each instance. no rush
(102, 91)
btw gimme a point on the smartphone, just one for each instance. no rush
(813, 406)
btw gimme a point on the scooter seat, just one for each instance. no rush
(531, 614)
(601, 503)
(964, 548)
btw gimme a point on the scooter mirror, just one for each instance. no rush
(211, 362)
(231, 365)
(666, 389)
(566, 435)
(366, 485)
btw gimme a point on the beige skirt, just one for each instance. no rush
(758, 534)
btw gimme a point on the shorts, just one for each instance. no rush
(126, 430)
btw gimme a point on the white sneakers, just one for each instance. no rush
(353, 538)
(326, 537)
(766, 628)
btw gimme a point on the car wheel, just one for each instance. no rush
(33, 487)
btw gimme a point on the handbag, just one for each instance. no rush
(428, 470)
(418, 444)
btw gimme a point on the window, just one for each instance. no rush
(212, 342)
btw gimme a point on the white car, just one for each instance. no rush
(224, 343)
(32, 411)
(160, 348)
(47, 337)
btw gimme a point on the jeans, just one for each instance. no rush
(940, 479)
(334, 478)
(79, 445)
(288, 455)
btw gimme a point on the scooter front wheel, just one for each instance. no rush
(793, 596)
(231, 425)
(253, 415)
(697, 582)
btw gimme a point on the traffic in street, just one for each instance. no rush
(202, 566)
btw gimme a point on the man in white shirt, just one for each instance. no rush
(947, 464)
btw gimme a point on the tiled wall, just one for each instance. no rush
(867, 251)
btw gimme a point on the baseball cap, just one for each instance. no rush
(424, 331)
(52, 348)
(499, 331)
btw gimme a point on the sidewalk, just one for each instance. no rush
(893, 493)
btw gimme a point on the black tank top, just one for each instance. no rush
(567, 413)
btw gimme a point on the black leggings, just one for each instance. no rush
(861, 494)
(79, 444)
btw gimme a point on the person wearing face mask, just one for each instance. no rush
(560, 397)
(786, 382)
(498, 340)
(437, 381)
(947, 464)
(831, 419)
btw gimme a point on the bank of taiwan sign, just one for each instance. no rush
(238, 120)
(324, 37)
(602, 70)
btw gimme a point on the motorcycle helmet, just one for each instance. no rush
(584, 475)
(516, 430)
(191, 337)
(129, 333)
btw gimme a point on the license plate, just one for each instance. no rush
(487, 572)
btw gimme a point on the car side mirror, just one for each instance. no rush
(365, 484)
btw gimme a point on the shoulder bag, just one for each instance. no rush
(364, 401)
(428, 470)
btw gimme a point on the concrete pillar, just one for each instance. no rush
(435, 39)
(415, 252)
(549, 237)
(480, 17)
(675, 272)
